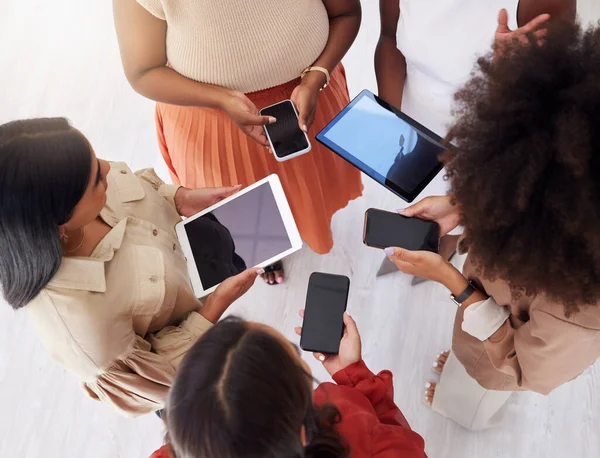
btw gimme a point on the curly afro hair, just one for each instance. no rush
(525, 166)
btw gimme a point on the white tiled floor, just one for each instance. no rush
(61, 58)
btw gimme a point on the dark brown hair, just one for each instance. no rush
(240, 393)
(45, 166)
(525, 169)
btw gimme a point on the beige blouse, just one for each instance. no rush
(246, 45)
(537, 348)
(122, 319)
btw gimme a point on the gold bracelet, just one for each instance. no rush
(318, 69)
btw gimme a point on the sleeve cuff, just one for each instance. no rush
(352, 374)
(167, 191)
(196, 324)
(484, 318)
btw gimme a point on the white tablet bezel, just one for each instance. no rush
(286, 215)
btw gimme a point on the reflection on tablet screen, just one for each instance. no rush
(386, 144)
(242, 233)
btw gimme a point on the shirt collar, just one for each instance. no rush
(88, 274)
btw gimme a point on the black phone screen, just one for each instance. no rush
(285, 135)
(326, 301)
(385, 229)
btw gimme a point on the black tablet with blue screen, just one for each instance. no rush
(384, 143)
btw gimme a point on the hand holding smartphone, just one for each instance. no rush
(285, 137)
(326, 301)
(386, 229)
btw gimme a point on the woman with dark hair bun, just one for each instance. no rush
(243, 391)
(524, 184)
(89, 250)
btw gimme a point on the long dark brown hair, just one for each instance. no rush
(45, 166)
(239, 393)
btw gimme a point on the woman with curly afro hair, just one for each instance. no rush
(524, 173)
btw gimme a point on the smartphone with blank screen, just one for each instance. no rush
(386, 229)
(285, 137)
(323, 324)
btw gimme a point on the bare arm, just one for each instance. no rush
(390, 65)
(142, 42)
(344, 23)
(557, 9)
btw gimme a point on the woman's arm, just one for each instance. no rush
(390, 64)
(344, 23)
(557, 9)
(142, 42)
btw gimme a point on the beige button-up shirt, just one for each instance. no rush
(122, 319)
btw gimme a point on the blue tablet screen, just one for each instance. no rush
(385, 144)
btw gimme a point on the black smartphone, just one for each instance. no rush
(386, 229)
(323, 324)
(285, 137)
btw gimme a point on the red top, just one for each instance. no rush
(371, 423)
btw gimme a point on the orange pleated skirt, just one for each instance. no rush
(204, 148)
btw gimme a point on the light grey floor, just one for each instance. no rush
(60, 57)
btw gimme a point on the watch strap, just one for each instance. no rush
(462, 297)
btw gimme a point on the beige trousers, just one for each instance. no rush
(460, 398)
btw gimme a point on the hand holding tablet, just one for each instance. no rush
(252, 228)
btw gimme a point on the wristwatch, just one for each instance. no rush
(462, 297)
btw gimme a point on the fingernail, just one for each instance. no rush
(272, 120)
(349, 314)
(237, 186)
(428, 385)
(260, 271)
(304, 128)
(279, 280)
(401, 210)
(435, 364)
(321, 358)
(389, 251)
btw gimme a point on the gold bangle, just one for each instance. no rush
(318, 69)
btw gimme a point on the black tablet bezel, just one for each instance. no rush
(402, 193)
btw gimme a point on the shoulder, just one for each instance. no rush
(546, 312)
(393, 441)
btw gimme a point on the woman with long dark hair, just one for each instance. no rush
(524, 184)
(243, 391)
(89, 250)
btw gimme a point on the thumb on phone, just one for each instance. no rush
(258, 120)
(351, 328)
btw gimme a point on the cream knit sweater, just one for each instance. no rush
(247, 45)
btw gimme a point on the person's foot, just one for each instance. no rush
(273, 274)
(438, 368)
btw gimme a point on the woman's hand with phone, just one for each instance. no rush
(350, 347)
(422, 264)
(305, 98)
(438, 209)
(244, 114)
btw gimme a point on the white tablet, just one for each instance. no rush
(253, 228)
